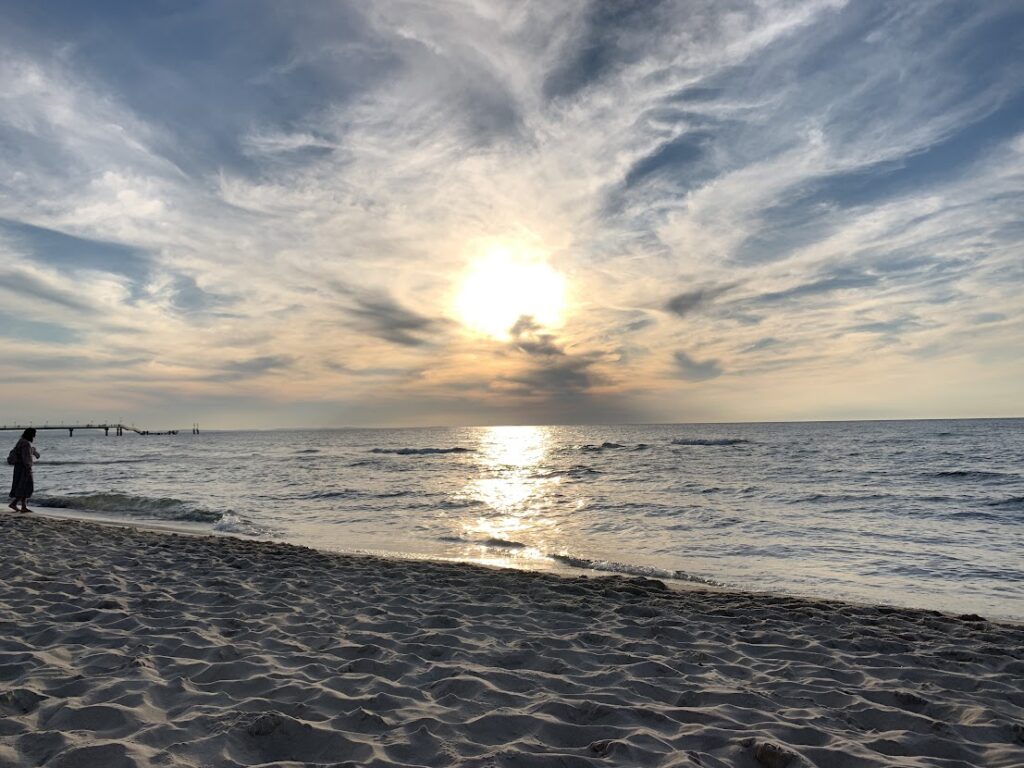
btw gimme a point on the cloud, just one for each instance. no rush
(558, 378)
(693, 370)
(379, 315)
(842, 280)
(891, 327)
(682, 304)
(71, 253)
(675, 157)
(252, 367)
(633, 325)
(188, 297)
(767, 342)
(18, 328)
(550, 369)
(989, 317)
(827, 192)
(24, 284)
(603, 37)
(279, 142)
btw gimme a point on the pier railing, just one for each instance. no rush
(119, 429)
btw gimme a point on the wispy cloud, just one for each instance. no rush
(811, 196)
(256, 366)
(380, 315)
(694, 370)
(682, 304)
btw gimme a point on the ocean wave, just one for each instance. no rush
(232, 523)
(839, 497)
(581, 471)
(967, 474)
(608, 446)
(976, 514)
(459, 502)
(709, 441)
(575, 473)
(420, 451)
(632, 570)
(308, 450)
(1013, 502)
(339, 493)
(602, 447)
(132, 506)
(494, 541)
(353, 493)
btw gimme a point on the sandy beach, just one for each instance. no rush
(122, 647)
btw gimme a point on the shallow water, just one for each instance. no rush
(924, 513)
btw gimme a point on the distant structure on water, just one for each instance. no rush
(119, 429)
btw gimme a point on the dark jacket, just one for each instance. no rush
(23, 453)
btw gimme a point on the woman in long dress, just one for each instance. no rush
(24, 455)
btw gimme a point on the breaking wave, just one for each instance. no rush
(632, 570)
(132, 506)
(494, 541)
(602, 447)
(232, 523)
(586, 563)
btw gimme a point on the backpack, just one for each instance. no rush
(12, 457)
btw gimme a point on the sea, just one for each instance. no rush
(925, 514)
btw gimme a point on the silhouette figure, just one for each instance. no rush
(24, 454)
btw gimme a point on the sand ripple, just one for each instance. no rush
(129, 648)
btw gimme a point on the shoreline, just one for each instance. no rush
(125, 647)
(549, 565)
(183, 528)
(552, 566)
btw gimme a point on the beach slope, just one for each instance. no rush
(121, 647)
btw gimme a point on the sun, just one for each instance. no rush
(505, 284)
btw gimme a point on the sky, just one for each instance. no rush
(266, 214)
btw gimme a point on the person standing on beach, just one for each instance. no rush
(23, 485)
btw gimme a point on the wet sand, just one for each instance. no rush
(124, 647)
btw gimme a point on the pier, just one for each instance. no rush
(119, 429)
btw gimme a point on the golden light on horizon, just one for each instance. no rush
(508, 283)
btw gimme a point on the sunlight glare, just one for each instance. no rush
(510, 488)
(506, 284)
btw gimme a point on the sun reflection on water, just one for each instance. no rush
(515, 493)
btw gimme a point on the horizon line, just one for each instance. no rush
(577, 424)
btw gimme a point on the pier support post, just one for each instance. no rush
(106, 431)
(71, 432)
